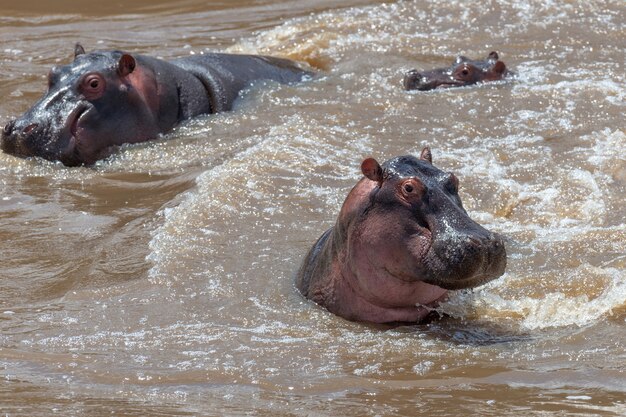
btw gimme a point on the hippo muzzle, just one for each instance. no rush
(465, 258)
(28, 136)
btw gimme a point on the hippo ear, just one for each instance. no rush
(372, 170)
(426, 155)
(493, 55)
(126, 65)
(499, 68)
(78, 50)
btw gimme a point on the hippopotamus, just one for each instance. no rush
(104, 99)
(463, 72)
(401, 241)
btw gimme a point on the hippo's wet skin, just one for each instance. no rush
(402, 239)
(463, 72)
(108, 98)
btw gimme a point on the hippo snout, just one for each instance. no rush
(412, 80)
(7, 139)
(424, 81)
(15, 129)
(467, 260)
(22, 137)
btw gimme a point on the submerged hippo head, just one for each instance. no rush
(463, 72)
(98, 101)
(401, 240)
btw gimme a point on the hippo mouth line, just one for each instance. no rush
(471, 282)
(71, 131)
(440, 85)
(449, 84)
(69, 153)
(73, 119)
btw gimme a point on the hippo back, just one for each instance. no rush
(225, 75)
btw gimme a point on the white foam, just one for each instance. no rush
(553, 309)
(288, 148)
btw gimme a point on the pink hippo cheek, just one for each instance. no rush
(391, 278)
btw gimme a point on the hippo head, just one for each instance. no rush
(91, 105)
(463, 72)
(406, 221)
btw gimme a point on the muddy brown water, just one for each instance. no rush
(160, 281)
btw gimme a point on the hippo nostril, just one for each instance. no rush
(30, 128)
(8, 128)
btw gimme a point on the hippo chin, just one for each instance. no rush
(463, 72)
(402, 239)
(104, 99)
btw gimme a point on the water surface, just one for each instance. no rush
(160, 281)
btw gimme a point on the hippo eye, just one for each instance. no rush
(464, 72)
(92, 86)
(92, 82)
(412, 187)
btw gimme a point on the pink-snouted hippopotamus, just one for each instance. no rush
(463, 72)
(104, 99)
(402, 239)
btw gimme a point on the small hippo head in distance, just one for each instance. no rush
(463, 72)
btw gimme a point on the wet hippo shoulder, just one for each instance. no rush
(104, 99)
(401, 240)
(462, 72)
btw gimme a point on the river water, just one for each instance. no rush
(160, 281)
